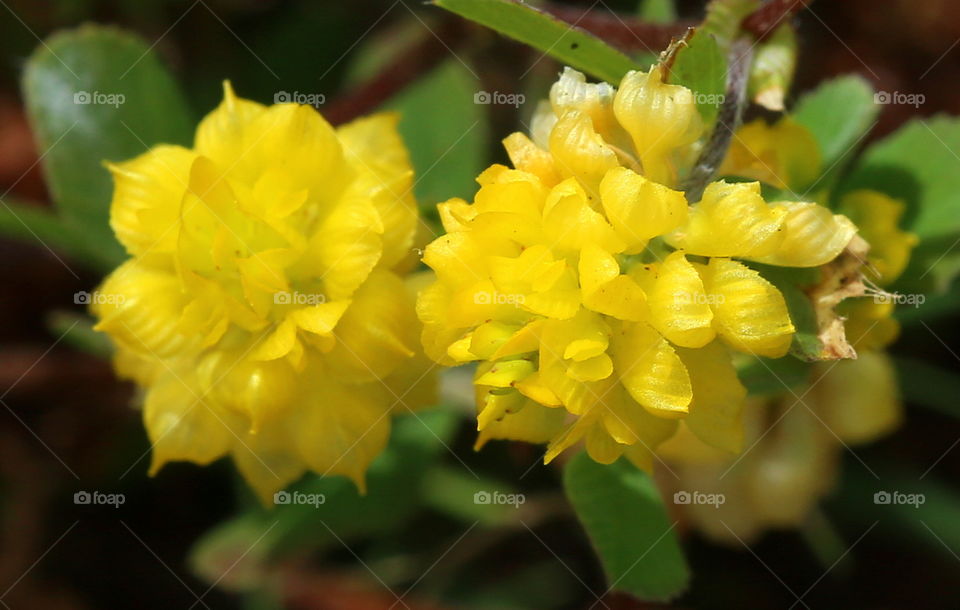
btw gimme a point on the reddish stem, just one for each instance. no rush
(763, 21)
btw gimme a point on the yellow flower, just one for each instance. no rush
(558, 281)
(783, 155)
(878, 217)
(264, 308)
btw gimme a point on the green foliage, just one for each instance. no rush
(32, 223)
(445, 131)
(765, 376)
(929, 386)
(568, 44)
(917, 164)
(701, 66)
(838, 113)
(657, 11)
(623, 513)
(95, 94)
(394, 488)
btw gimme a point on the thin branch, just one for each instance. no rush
(728, 120)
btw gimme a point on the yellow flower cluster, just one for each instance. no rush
(787, 470)
(264, 309)
(599, 304)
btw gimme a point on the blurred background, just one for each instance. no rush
(66, 424)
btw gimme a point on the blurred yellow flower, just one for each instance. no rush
(560, 281)
(264, 308)
(784, 154)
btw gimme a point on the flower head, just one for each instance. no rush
(264, 308)
(600, 305)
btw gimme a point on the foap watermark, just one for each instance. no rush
(698, 497)
(899, 99)
(298, 97)
(914, 300)
(99, 98)
(499, 497)
(498, 98)
(485, 297)
(697, 298)
(298, 298)
(99, 498)
(709, 99)
(97, 298)
(898, 497)
(298, 497)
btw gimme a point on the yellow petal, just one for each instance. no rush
(532, 423)
(506, 373)
(147, 193)
(140, 308)
(869, 323)
(650, 370)
(813, 236)
(679, 304)
(456, 214)
(784, 155)
(569, 223)
(182, 425)
(579, 150)
(277, 342)
(749, 312)
(222, 134)
(372, 145)
(345, 248)
(878, 217)
(600, 446)
(630, 424)
(377, 332)
(731, 220)
(660, 119)
(716, 411)
(527, 156)
(339, 428)
(640, 209)
(268, 461)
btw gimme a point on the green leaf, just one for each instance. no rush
(570, 45)
(838, 113)
(77, 330)
(929, 386)
(657, 11)
(918, 163)
(622, 512)
(764, 376)
(700, 66)
(96, 94)
(459, 494)
(445, 131)
(35, 225)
